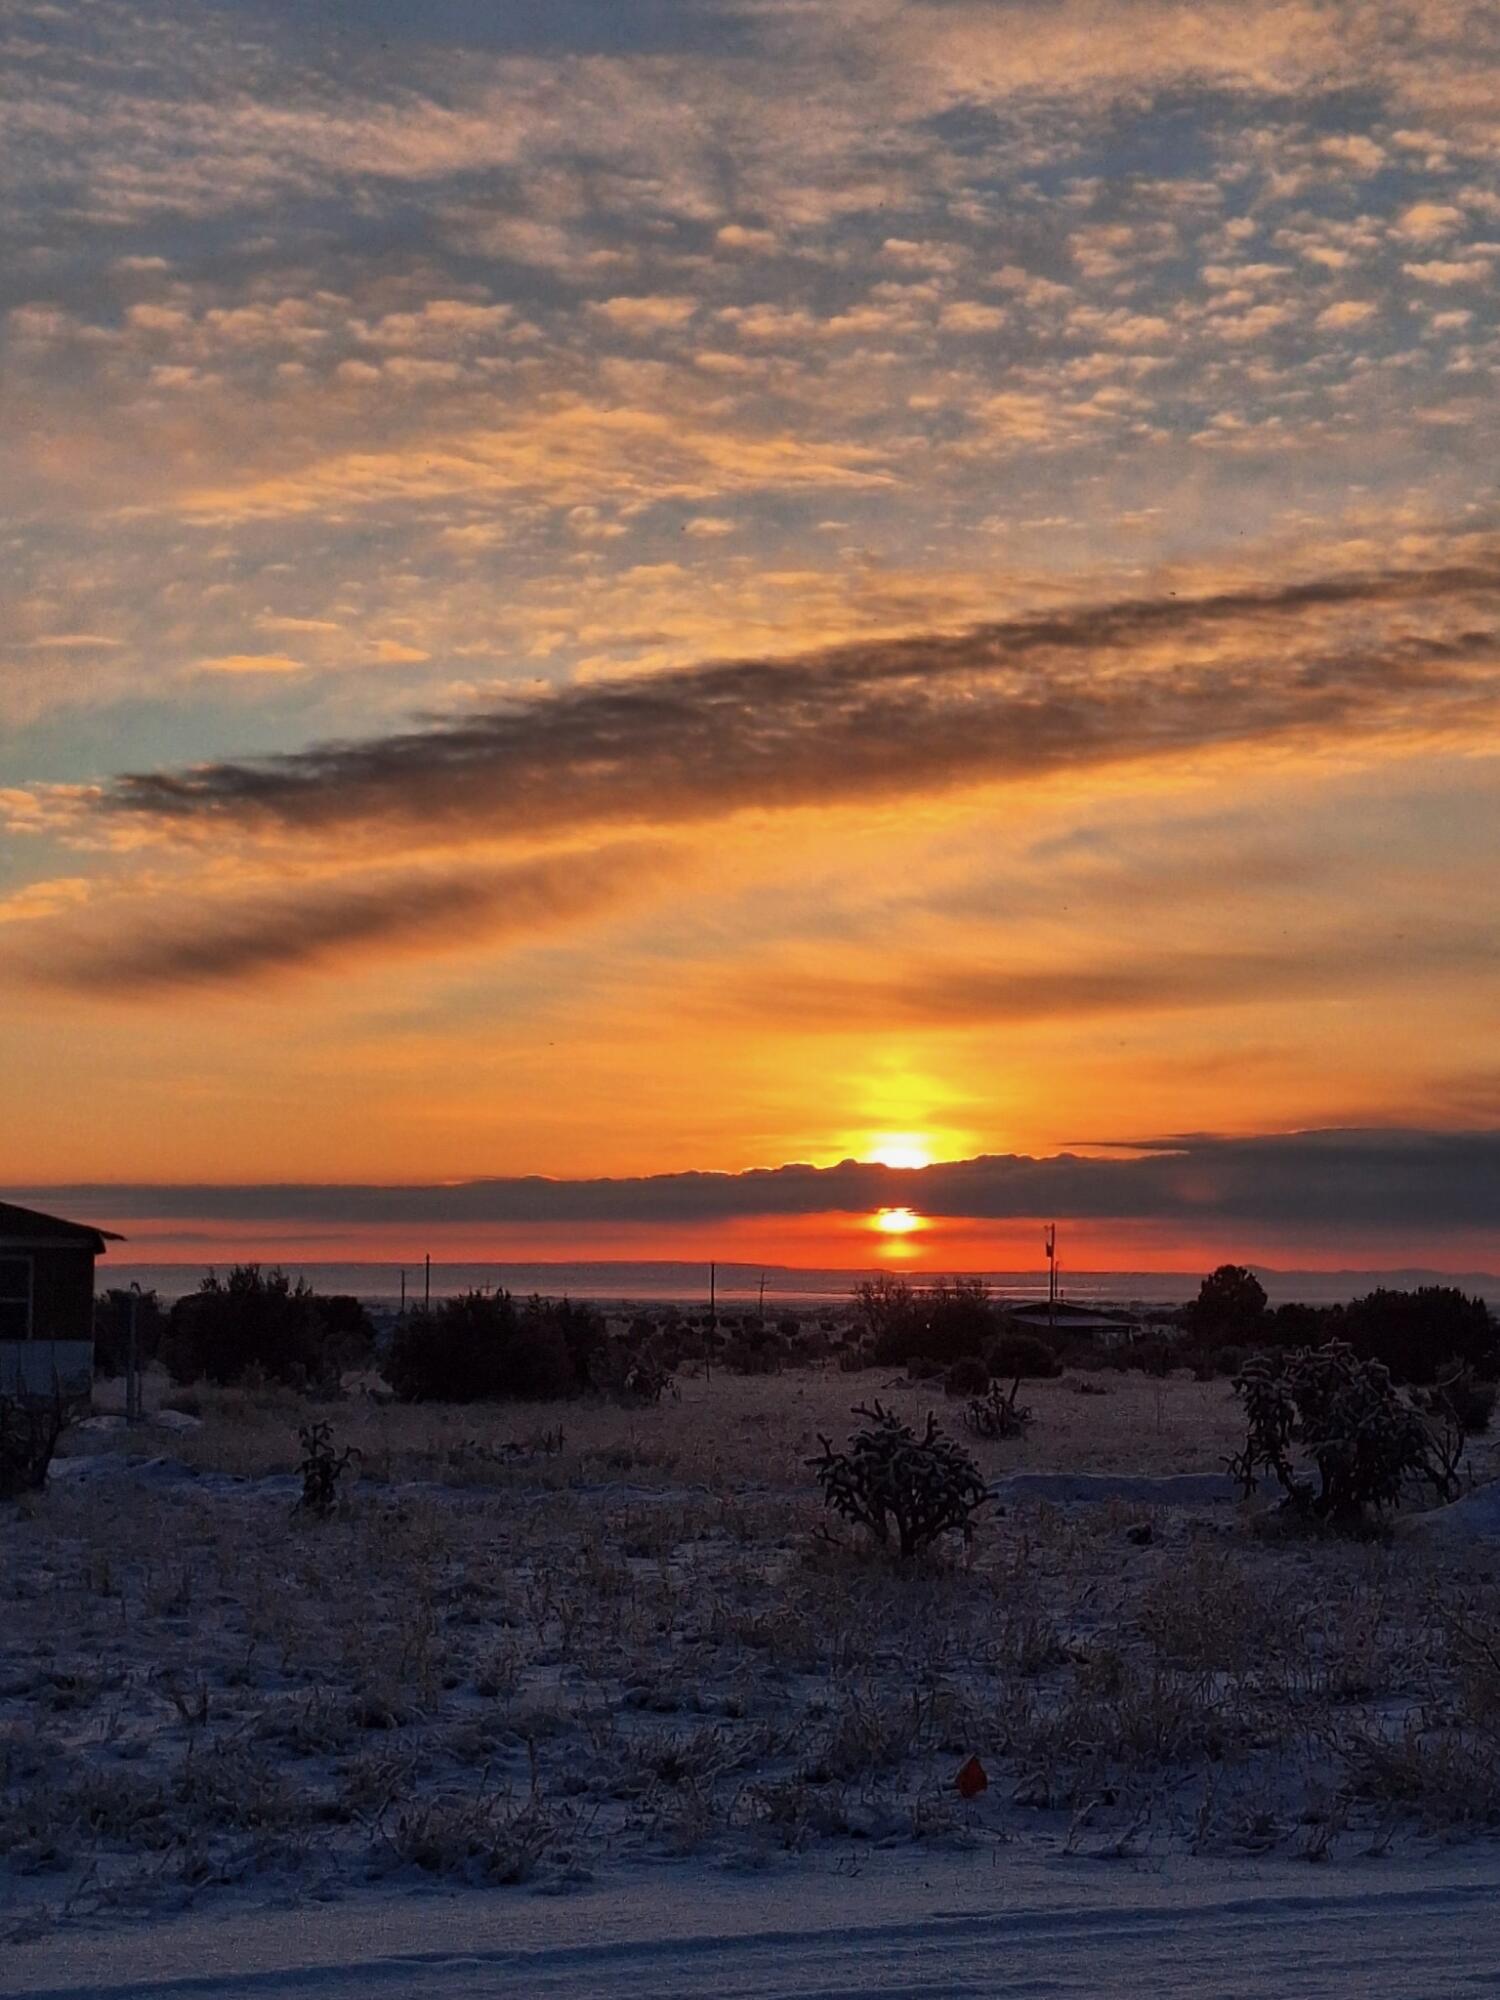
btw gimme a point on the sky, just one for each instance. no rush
(608, 607)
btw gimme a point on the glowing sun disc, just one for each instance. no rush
(897, 1221)
(900, 1149)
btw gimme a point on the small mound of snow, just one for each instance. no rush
(1475, 1518)
(110, 1465)
(175, 1420)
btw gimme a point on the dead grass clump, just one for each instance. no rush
(31, 1428)
(1470, 1625)
(1447, 1777)
(869, 1732)
(479, 1837)
(1209, 1612)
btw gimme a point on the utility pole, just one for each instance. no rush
(403, 1295)
(132, 1359)
(427, 1284)
(762, 1298)
(713, 1308)
(1050, 1244)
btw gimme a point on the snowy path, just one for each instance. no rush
(901, 1930)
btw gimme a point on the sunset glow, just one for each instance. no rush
(798, 631)
(897, 1222)
(900, 1149)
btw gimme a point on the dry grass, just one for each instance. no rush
(722, 1433)
(505, 1664)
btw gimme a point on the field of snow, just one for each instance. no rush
(602, 1712)
(900, 1927)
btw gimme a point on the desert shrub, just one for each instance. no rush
(577, 1330)
(906, 1490)
(967, 1377)
(1209, 1363)
(1023, 1354)
(1230, 1307)
(631, 1370)
(997, 1414)
(31, 1428)
(321, 1467)
(1415, 1333)
(482, 1347)
(256, 1322)
(112, 1311)
(1363, 1441)
(348, 1333)
(1151, 1356)
(756, 1351)
(789, 1327)
(943, 1321)
(886, 1308)
(1298, 1325)
(1460, 1398)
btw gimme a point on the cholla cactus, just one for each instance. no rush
(998, 1415)
(322, 1468)
(907, 1490)
(1365, 1443)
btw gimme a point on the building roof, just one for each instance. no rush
(29, 1225)
(1038, 1311)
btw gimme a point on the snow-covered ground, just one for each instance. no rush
(600, 1713)
(888, 1927)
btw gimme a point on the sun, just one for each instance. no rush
(898, 1221)
(899, 1149)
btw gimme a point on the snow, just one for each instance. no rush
(898, 1929)
(742, 1742)
(1476, 1518)
(1184, 1489)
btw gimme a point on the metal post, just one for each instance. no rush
(132, 1359)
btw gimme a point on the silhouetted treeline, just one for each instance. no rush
(1419, 1335)
(262, 1324)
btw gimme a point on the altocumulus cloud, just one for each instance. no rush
(1355, 1180)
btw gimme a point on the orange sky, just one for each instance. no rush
(607, 610)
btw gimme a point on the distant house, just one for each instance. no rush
(1110, 1329)
(47, 1302)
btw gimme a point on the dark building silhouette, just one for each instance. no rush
(47, 1301)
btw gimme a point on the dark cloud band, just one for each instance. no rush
(1080, 688)
(323, 925)
(1358, 1180)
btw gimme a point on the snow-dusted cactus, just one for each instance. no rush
(1362, 1440)
(998, 1415)
(322, 1468)
(907, 1490)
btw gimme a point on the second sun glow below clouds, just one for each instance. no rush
(898, 1221)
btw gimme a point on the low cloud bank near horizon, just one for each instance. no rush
(1345, 1179)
